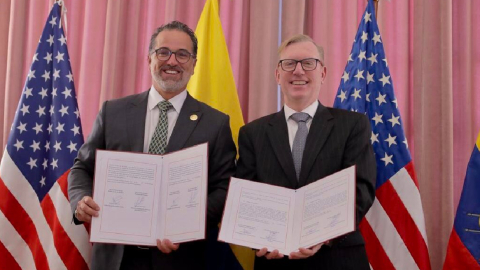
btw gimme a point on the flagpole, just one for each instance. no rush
(375, 3)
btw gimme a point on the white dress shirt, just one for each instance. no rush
(292, 125)
(153, 113)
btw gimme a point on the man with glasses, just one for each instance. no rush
(304, 142)
(163, 119)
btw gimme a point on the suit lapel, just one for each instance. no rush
(317, 136)
(136, 113)
(184, 125)
(278, 136)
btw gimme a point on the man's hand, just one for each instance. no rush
(269, 255)
(304, 253)
(166, 246)
(86, 208)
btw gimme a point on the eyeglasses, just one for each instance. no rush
(307, 64)
(182, 56)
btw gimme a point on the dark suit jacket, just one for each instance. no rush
(337, 139)
(120, 125)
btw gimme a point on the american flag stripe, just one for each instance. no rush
(24, 208)
(64, 245)
(14, 252)
(403, 222)
(390, 240)
(380, 260)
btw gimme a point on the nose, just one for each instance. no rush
(172, 60)
(298, 69)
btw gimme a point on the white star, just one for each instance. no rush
(76, 130)
(356, 94)
(370, 77)
(48, 58)
(28, 92)
(56, 74)
(394, 120)
(38, 128)
(395, 101)
(373, 58)
(70, 76)
(72, 146)
(364, 37)
(59, 128)
(62, 40)
(374, 138)
(405, 142)
(376, 38)
(381, 99)
(24, 109)
(43, 93)
(63, 110)
(77, 113)
(391, 140)
(35, 146)
(18, 145)
(53, 21)
(32, 163)
(45, 163)
(350, 58)
(59, 57)
(40, 111)
(377, 118)
(57, 146)
(50, 40)
(367, 18)
(35, 57)
(50, 128)
(47, 145)
(31, 74)
(368, 97)
(22, 127)
(385, 60)
(385, 79)
(342, 95)
(54, 92)
(362, 56)
(54, 163)
(345, 76)
(359, 75)
(387, 159)
(42, 182)
(46, 75)
(67, 92)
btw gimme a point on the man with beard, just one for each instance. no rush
(130, 124)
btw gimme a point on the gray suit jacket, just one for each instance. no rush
(120, 125)
(337, 139)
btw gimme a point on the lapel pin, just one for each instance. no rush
(193, 117)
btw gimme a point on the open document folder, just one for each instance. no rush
(260, 215)
(144, 197)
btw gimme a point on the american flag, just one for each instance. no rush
(35, 218)
(394, 227)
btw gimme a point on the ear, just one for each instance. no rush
(149, 62)
(324, 73)
(194, 65)
(277, 75)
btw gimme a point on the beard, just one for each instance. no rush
(171, 85)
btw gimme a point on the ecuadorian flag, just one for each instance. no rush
(463, 250)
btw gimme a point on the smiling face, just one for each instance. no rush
(300, 88)
(171, 77)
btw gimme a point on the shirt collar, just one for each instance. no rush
(177, 101)
(311, 110)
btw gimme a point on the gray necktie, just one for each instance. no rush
(299, 141)
(159, 139)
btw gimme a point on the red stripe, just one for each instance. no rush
(404, 224)
(67, 251)
(411, 171)
(21, 221)
(458, 256)
(376, 254)
(6, 259)
(63, 183)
